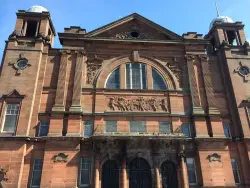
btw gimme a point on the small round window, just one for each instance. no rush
(134, 34)
(244, 71)
(22, 63)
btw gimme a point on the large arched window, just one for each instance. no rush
(158, 82)
(113, 81)
(136, 78)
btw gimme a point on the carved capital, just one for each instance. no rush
(204, 57)
(64, 52)
(190, 57)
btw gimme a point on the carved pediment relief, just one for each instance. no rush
(134, 27)
(137, 104)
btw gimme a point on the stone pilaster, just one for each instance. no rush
(97, 172)
(184, 167)
(61, 83)
(77, 90)
(208, 85)
(197, 109)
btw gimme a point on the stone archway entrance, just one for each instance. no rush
(110, 174)
(139, 174)
(169, 175)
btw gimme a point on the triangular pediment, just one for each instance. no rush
(13, 94)
(134, 27)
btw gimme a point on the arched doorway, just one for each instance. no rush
(169, 175)
(110, 174)
(139, 174)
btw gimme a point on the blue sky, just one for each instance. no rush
(180, 16)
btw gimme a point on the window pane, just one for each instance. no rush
(128, 76)
(136, 76)
(191, 170)
(10, 123)
(158, 82)
(186, 129)
(85, 171)
(235, 170)
(144, 76)
(88, 128)
(137, 126)
(226, 130)
(114, 80)
(111, 126)
(191, 176)
(44, 128)
(37, 172)
(165, 127)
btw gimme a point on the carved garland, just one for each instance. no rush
(142, 104)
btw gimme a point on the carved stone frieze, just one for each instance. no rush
(137, 104)
(175, 67)
(93, 65)
(61, 157)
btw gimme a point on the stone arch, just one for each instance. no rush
(140, 175)
(104, 71)
(169, 176)
(110, 174)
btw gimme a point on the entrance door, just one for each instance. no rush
(110, 174)
(169, 175)
(139, 174)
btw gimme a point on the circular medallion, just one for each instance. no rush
(22, 63)
(244, 71)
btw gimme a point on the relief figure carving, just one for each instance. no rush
(141, 104)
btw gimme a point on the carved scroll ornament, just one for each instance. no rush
(142, 104)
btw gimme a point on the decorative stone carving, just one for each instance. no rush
(45, 39)
(141, 104)
(20, 64)
(3, 173)
(93, 66)
(14, 34)
(204, 57)
(214, 157)
(61, 157)
(224, 44)
(190, 58)
(135, 56)
(175, 67)
(243, 71)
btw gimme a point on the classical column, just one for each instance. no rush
(157, 177)
(61, 83)
(208, 85)
(77, 90)
(184, 169)
(197, 109)
(97, 171)
(123, 174)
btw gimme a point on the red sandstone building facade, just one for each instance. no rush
(129, 105)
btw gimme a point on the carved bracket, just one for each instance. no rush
(243, 71)
(61, 157)
(141, 104)
(20, 64)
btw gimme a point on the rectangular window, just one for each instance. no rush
(37, 173)
(165, 127)
(235, 171)
(192, 179)
(31, 28)
(85, 172)
(111, 126)
(186, 129)
(44, 128)
(226, 128)
(138, 126)
(88, 127)
(11, 116)
(136, 76)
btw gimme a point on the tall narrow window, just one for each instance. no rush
(136, 76)
(85, 172)
(31, 28)
(232, 39)
(235, 171)
(44, 128)
(191, 171)
(37, 173)
(11, 116)
(137, 126)
(111, 126)
(158, 82)
(186, 129)
(165, 127)
(88, 127)
(113, 81)
(226, 128)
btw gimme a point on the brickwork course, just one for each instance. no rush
(205, 105)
